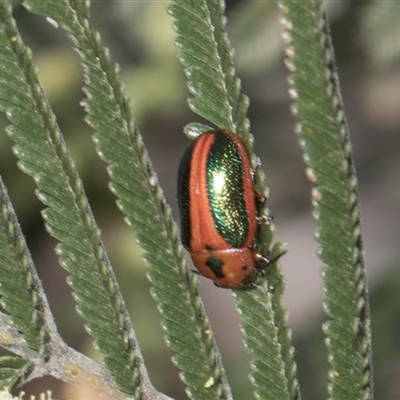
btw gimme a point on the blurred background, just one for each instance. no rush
(366, 38)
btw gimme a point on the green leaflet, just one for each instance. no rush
(325, 140)
(206, 55)
(12, 370)
(43, 155)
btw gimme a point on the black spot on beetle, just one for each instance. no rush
(215, 264)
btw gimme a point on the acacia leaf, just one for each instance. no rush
(325, 140)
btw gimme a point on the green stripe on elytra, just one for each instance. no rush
(226, 191)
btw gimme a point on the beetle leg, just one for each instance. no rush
(264, 219)
(263, 259)
(196, 272)
(260, 198)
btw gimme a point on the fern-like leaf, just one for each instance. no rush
(208, 62)
(262, 341)
(207, 58)
(325, 140)
(212, 80)
(21, 291)
(13, 370)
(22, 295)
(43, 154)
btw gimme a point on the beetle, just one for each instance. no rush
(218, 209)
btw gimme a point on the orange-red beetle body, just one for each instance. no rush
(217, 203)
